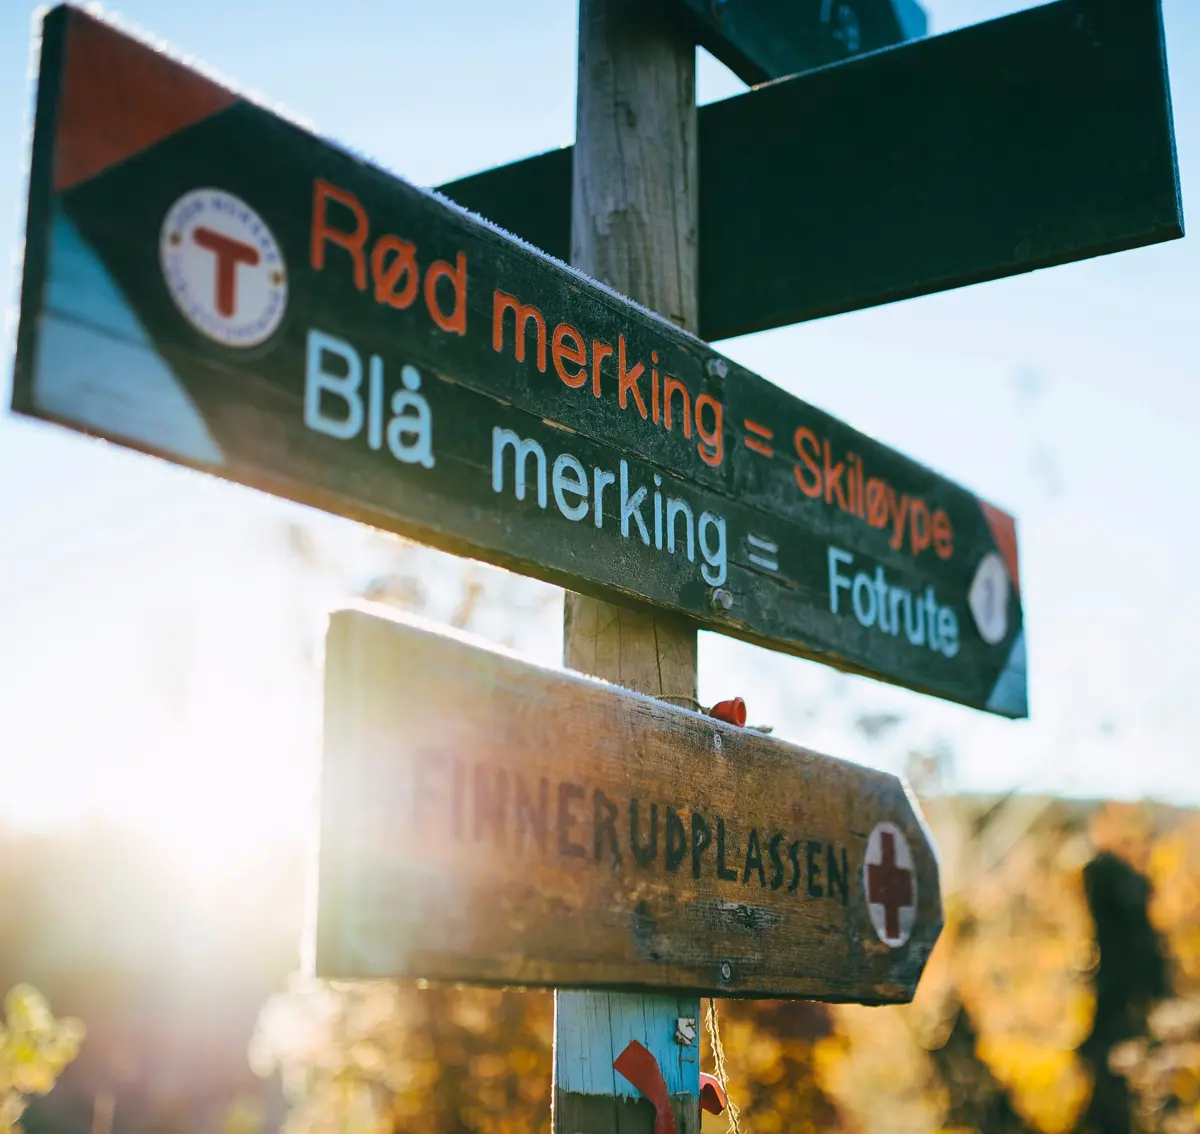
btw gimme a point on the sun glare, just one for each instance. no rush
(197, 725)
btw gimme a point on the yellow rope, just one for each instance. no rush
(714, 1035)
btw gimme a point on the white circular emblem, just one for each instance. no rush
(988, 599)
(890, 884)
(223, 268)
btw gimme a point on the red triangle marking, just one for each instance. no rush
(1004, 532)
(120, 97)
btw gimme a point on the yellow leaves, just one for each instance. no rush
(882, 1081)
(368, 1059)
(394, 1058)
(1016, 955)
(762, 1056)
(1174, 871)
(471, 1013)
(1004, 1003)
(769, 1050)
(829, 1054)
(1049, 1086)
(27, 1012)
(245, 1115)
(1127, 830)
(34, 1049)
(1163, 1068)
(489, 1065)
(1166, 847)
(1021, 950)
(1029, 1000)
(1035, 999)
(30, 1075)
(1185, 1084)
(522, 1061)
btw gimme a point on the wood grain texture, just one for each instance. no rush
(614, 1114)
(593, 1028)
(633, 227)
(1028, 141)
(635, 193)
(484, 820)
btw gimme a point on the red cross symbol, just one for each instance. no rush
(889, 885)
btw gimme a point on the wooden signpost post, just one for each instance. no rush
(208, 282)
(633, 226)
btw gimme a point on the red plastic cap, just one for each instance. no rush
(712, 1097)
(731, 712)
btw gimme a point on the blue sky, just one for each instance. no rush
(1070, 396)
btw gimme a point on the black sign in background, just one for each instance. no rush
(252, 403)
(760, 40)
(1024, 142)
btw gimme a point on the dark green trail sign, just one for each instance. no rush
(768, 39)
(209, 283)
(1029, 141)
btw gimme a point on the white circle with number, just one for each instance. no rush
(890, 884)
(988, 599)
(223, 268)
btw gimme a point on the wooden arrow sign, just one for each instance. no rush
(487, 821)
(1033, 140)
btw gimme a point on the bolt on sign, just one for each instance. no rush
(488, 821)
(207, 282)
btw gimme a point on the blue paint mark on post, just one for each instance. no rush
(592, 1028)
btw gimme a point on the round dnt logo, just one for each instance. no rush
(223, 268)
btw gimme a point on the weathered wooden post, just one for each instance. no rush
(633, 227)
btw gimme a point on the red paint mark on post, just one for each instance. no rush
(640, 1067)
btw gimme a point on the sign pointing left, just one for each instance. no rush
(209, 283)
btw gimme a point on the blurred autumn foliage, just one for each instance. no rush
(34, 1049)
(376, 1058)
(1063, 996)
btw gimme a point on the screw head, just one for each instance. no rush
(717, 368)
(722, 599)
(726, 971)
